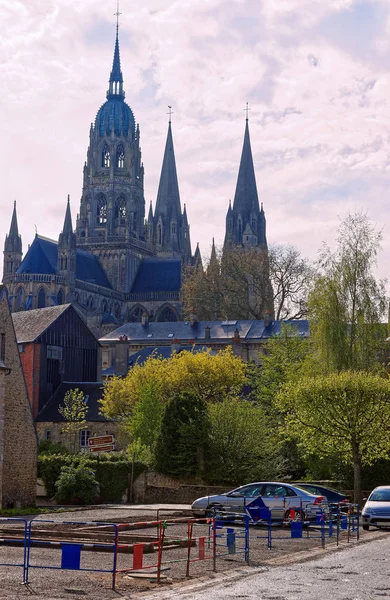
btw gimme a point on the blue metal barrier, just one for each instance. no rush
(236, 538)
(70, 551)
(4, 541)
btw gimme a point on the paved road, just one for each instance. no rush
(357, 573)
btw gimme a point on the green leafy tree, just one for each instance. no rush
(77, 485)
(242, 445)
(74, 412)
(347, 303)
(345, 413)
(182, 446)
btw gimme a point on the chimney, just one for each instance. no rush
(207, 332)
(236, 343)
(267, 318)
(144, 320)
(193, 319)
(121, 361)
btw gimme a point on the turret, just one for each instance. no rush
(12, 249)
(67, 248)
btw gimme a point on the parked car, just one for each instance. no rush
(376, 510)
(282, 499)
(333, 496)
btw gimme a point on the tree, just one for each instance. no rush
(210, 377)
(242, 445)
(182, 445)
(244, 283)
(74, 411)
(346, 413)
(347, 303)
(145, 424)
(291, 279)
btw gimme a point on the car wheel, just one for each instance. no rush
(366, 527)
(212, 508)
(293, 515)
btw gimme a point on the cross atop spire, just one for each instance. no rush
(117, 15)
(247, 109)
(170, 113)
(116, 78)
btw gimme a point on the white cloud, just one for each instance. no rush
(319, 115)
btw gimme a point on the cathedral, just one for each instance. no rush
(118, 265)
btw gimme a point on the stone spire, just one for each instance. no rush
(246, 197)
(12, 249)
(13, 241)
(168, 219)
(67, 248)
(245, 222)
(116, 77)
(67, 229)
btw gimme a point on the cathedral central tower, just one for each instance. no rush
(112, 208)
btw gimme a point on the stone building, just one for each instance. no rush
(119, 265)
(18, 441)
(116, 265)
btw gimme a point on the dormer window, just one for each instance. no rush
(105, 157)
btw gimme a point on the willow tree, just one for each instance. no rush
(348, 303)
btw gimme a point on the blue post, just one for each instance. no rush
(231, 540)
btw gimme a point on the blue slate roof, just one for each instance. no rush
(159, 351)
(41, 258)
(115, 113)
(219, 331)
(158, 276)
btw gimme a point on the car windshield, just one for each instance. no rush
(380, 496)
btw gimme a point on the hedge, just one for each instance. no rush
(111, 470)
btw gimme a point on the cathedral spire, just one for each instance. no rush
(116, 78)
(246, 198)
(67, 228)
(168, 196)
(13, 230)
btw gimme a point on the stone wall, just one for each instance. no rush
(18, 441)
(153, 488)
(55, 428)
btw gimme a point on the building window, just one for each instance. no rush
(159, 236)
(41, 298)
(48, 435)
(21, 348)
(20, 299)
(54, 352)
(60, 297)
(2, 347)
(167, 314)
(173, 228)
(120, 210)
(84, 437)
(101, 209)
(120, 157)
(105, 157)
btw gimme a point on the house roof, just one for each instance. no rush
(219, 331)
(158, 275)
(159, 351)
(30, 324)
(93, 392)
(41, 258)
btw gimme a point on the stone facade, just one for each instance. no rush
(18, 441)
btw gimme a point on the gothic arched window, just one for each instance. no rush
(120, 210)
(253, 224)
(41, 298)
(117, 310)
(120, 157)
(135, 314)
(173, 228)
(60, 297)
(104, 307)
(159, 234)
(105, 156)
(101, 209)
(167, 315)
(20, 299)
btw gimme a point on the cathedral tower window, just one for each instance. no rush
(105, 157)
(167, 315)
(120, 157)
(101, 209)
(159, 234)
(173, 228)
(60, 297)
(20, 299)
(120, 210)
(41, 298)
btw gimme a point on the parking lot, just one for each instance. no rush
(48, 582)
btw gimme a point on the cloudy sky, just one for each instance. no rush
(316, 75)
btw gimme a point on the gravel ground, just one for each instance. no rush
(51, 584)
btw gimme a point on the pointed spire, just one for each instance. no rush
(67, 228)
(13, 241)
(168, 196)
(213, 266)
(246, 190)
(116, 78)
(150, 215)
(13, 230)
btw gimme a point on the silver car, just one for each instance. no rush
(282, 499)
(376, 510)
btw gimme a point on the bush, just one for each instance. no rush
(48, 447)
(77, 485)
(112, 471)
